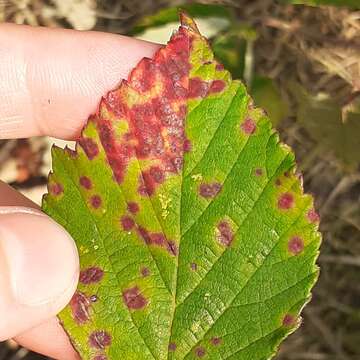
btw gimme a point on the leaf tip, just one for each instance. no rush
(187, 21)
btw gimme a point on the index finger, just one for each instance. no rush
(52, 79)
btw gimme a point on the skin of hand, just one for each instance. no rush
(51, 81)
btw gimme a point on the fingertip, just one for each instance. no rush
(50, 339)
(51, 85)
(39, 269)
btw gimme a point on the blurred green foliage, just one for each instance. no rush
(230, 48)
(268, 96)
(168, 15)
(324, 120)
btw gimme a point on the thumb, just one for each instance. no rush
(39, 269)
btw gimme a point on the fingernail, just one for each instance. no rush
(40, 256)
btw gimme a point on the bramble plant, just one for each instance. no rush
(195, 237)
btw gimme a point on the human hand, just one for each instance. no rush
(50, 81)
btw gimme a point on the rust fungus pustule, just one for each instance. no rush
(157, 239)
(216, 341)
(127, 223)
(95, 201)
(248, 126)
(100, 357)
(217, 86)
(99, 339)
(224, 233)
(209, 190)
(200, 352)
(286, 201)
(85, 182)
(56, 189)
(90, 147)
(313, 216)
(133, 207)
(296, 245)
(133, 298)
(187, 145)
(145, 271)
(289, 320)
(198, 88)
(80, 306)
(91, 275)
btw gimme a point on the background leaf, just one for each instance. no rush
(230, 48)
(267, 95)
(194, 235)
(323, 118)
(169, 15)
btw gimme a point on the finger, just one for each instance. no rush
(49, 339)
(39, 265)
(52, 79)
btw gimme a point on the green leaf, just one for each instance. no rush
(350, 3)
(267, 95)
(323, 118)
(195, 237)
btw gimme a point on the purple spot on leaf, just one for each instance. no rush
(127, 223)
(145, 271)
(224, 233)
(172, 248)
(200, 352)
(133, 299)
(95, 201)
(85, 182)
(313, 216)
(217, 86)
(187, 145)
(89, 146)
(286, 201)
(172, 346)
(79, 306)
(91, 275)
(133, 207)
(157, 174)
(56, 189)
(99, 339)
(100, 357)
(219, 67)
(248, 126)
(216, 341)
(209, 190)
(288, 320)
(197, 88)
(296, 245)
